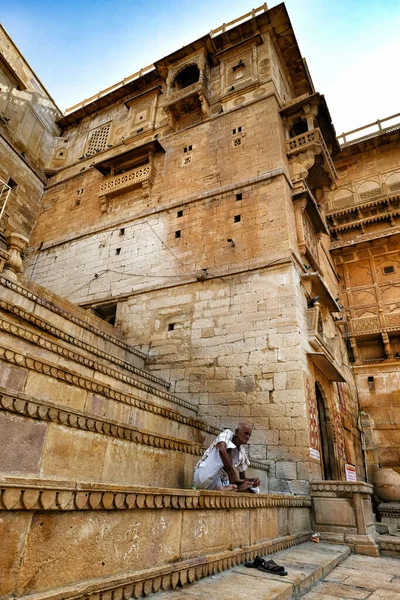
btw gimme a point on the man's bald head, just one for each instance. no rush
(242, 434)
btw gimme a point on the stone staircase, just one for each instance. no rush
(96, 466)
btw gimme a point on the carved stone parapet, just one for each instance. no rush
(124, 182)
(343, 514)
(16, 244)
(36, 494)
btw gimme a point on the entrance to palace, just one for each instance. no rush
(326, 442)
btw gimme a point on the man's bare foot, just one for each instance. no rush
(226, 488)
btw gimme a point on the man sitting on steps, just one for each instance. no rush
(223, 465)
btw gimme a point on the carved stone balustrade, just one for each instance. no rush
(382, 322)
(302, 151)
(124, 182)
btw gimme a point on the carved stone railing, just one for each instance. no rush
(123, 182)
(316, 336)
(370, 131)
(380, 189)
(381, 322)
(306, 141)
(178, 95)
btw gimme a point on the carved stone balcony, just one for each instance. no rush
(382, 322)
(302, 151)
(324, 348)
(119, 184)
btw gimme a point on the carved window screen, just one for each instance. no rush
(98, 139)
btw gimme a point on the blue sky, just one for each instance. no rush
(77, 48)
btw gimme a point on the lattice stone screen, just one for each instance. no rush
(98, 139)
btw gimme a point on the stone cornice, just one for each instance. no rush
(43, 410)
(73, 378)
(359, 487)
(36, 494)
(43, 342)
(17, 287)
(142, 583)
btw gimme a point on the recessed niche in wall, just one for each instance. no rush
(171, 326)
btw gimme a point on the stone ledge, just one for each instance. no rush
(389, 545)
(37, 494)
(346, 486)
(17, 287)
(40, 340)
(27, 406)
(44, 410)
(71, 377)
(142, 583)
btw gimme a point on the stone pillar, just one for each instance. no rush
(342, 514)
(16, 244)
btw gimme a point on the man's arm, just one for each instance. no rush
(227, 462)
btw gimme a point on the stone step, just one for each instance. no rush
(26, 323)
(41, 438)
(19, 336)
(69, 318)
(306, 565)
(112, 541)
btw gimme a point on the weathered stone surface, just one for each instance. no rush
(21, 445)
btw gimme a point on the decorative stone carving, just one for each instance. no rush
(16, 244)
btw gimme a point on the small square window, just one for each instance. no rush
(171, 326)
(188, 149)
(239, 196)
(118, 251)
(179, 213)
(12, 184)
(236, 219)
(178, 233)
(77, 202)
(388, 270)
(122, 231)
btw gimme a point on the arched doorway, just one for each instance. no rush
(327, 457)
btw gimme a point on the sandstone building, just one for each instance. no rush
(199, 249)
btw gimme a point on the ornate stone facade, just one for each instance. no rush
(209, 255)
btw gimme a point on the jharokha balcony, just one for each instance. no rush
(123, 182)
(312, 141)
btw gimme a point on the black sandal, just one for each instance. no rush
(267, 566)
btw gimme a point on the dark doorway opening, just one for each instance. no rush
(326, 443)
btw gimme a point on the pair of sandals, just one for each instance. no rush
(268, 566)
